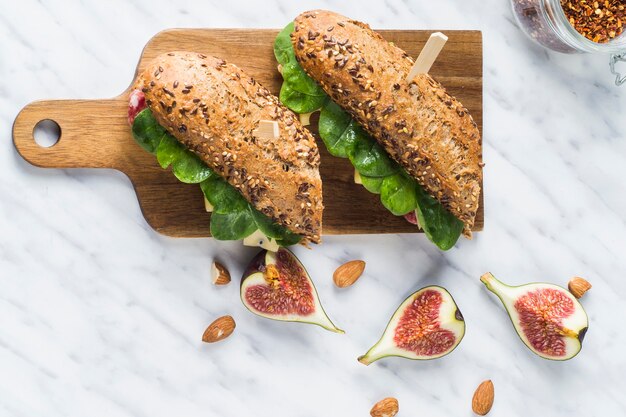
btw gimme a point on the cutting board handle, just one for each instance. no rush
(90, 133)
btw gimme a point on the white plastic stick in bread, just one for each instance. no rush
(428, 55)
(267, 129)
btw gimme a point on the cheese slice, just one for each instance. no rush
(259, 239)
(305, 118)
(208, 206)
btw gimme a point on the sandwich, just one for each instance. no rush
(201, 116)
(408, 140)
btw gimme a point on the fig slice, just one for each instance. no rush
(275, 285)
(427, 325)
(548, 318)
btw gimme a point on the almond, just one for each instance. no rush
(483, 398)
(578, 286)
(220, 274)
(387, 407)
(348, 273)
(220, 329)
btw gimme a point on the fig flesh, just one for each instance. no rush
(276, 286)
(427, 325)
(548, 318)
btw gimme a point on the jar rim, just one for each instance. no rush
(574, 38)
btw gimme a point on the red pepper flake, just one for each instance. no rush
(598, 21)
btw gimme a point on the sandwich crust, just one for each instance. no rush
(213, 108)
(424, 129)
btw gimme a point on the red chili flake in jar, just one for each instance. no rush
(598, 21)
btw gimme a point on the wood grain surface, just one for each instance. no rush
(95, 133)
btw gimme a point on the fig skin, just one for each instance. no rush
(508, 295)
(259, 265)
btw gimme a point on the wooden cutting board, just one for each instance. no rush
(95, 133)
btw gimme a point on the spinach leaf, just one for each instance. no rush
(186, 165)
(337, 130)
(440, 226)
(299, 101)
(190, 169)
(233, 217)
(288, 239)
(397, 194)
(147, 132)
(168, 151)
(372, 184)
(297, 79)
(369, 158)
(283, 49)
(299, 92)
(265, 225)
(223, 197)
(232, 226)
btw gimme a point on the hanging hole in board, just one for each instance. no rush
(47, 133)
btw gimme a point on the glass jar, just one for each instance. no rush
(545, 22)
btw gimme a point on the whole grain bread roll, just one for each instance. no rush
(213, 108)
(422, 127)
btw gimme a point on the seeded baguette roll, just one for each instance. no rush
(212, 108)
(424, 129)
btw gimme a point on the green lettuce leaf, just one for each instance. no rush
(233, 218)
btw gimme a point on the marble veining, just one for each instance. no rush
(101, 316)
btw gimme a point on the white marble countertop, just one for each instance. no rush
(101, 316)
